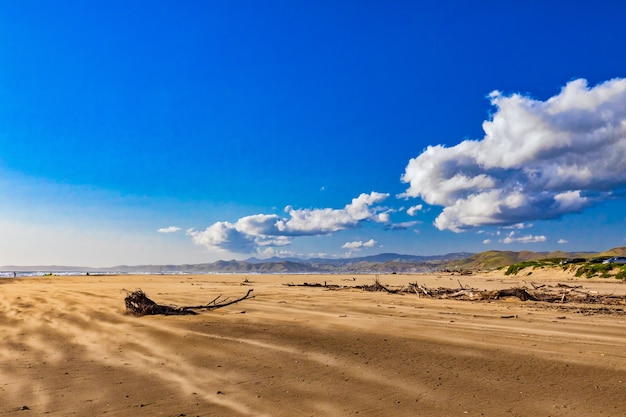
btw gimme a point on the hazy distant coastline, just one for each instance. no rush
(382, 263)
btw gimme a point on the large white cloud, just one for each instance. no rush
(323, 221)
(537, 160)
(250, 233)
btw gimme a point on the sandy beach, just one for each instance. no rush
(68, 348)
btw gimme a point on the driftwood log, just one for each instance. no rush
(138, 304)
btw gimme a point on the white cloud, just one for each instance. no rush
(223, 236)
(170, 229)
(538, 159)
(402, 225)
(269, 252)
(250, 233)
(571, 200)
(511, 238)
(412, 211)
(487, 241)
(324, 221)
(519, 226)
(358, 244)
(561, 241)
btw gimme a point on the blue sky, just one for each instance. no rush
(154, 132)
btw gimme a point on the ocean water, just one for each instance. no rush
(26, 274)
(20, 274)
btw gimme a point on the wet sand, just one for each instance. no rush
(67, 348)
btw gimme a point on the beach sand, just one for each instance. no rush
(69, 349)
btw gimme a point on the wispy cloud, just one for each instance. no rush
(402, 225)
(562, 241)
(171, 229)
(538, 159)
(512, 238)
(519, 226)
(357, 245)
(250, 233)
(269, 252)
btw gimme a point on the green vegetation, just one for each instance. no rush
(541, 263)
(587, 269)
(515, 268)
(622, 273)
(593, 270)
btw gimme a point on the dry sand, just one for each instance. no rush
(68, 349)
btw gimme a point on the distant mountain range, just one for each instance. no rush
(383, 257)
(385, 262)
(382, 263)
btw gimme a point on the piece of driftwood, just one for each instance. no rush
(138, 304)
(314, 285)
(520, 293)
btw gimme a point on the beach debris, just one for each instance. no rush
(314, 285)
(559, 294)
(138, 304)
(377, 286)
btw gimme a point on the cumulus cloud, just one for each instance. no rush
(512, 238)
(561, 241)
(251, 233)
(224, 236)
(170, 229)
(359, 245)
(487, 241)
(323, 221)
(538, 159)
(412, 211)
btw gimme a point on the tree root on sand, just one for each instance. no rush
(138, 304)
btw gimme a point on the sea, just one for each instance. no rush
(27, 274)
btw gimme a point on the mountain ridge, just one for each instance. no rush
(381, 263)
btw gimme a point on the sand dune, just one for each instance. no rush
(68, 348)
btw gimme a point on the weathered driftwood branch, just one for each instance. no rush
(315, 285)
(138, 304)
(520, 293)
(217, 303)
(377, 286)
